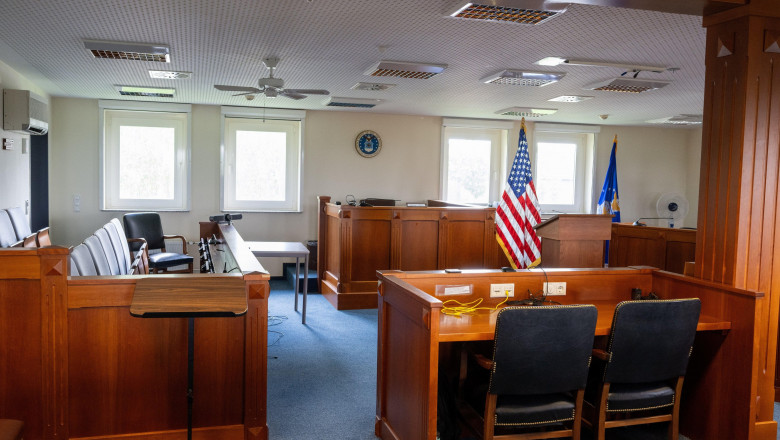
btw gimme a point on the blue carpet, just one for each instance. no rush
(322, 375)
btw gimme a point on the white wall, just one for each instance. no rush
(15, 164)
(650, 161)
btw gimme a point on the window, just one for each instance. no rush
(472, 160)
(144, 156)
(261, 160)
(563, 168)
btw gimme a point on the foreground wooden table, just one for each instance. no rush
(414, 335)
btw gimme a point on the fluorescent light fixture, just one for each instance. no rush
(629, 85)
(570, 98)
(521, 78)
(154, 92)
(526, 112)
(405, 69)
(169, 74)
(551, 61)
(557, 61)
(117, 50)
(333, 101)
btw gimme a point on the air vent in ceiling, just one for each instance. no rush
(116, 50)
(526, 112)
(404, 69)
(372, 87)
(684, 119)
(168, 74)
(148, 92)
(531, 13)
(334, 101)
(628, 85)
(570, 98)
(520, 78)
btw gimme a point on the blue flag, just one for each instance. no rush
(608, 200)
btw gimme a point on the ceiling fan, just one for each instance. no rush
(270, 87)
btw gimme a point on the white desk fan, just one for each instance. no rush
(672, 206)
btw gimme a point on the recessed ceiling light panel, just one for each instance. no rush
(683, 119)
(372, 87)
(405, 69)
(534, 14)
(116, 50)
(333, 101)
(627, 85)
(168, 74)
(526, 112)
(149, 92)
(520, 78)
(570, 98)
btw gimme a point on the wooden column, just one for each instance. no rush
(737, 242)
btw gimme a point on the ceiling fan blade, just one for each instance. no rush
(237, 89)
(295, 96)
(308, 91)
(245, 93)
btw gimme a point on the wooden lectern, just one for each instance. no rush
(574, 240)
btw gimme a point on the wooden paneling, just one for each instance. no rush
(76, 364)
(664, 248)
(737, 241)
(355, 242)
(21, 388)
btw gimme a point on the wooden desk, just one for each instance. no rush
(412, 332)
(481, 326)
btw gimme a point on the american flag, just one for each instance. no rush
(518, 211)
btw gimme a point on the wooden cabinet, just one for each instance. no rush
(356, 241)
(664, 248)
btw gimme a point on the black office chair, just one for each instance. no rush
(147, 225)
(539, 371)
(638, 379)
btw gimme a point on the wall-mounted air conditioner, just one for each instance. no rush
(22, 112)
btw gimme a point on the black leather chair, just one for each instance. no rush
(539, 371)
(638, 379)
(147, 225)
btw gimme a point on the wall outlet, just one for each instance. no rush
(553, 289)
(499, 290)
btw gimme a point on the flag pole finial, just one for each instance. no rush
(522, 123)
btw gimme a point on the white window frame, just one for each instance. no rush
(177, 116)
(277, 120)
(494, 131)
(584, 136)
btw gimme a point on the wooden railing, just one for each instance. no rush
(78, 365)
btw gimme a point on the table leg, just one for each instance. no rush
(297, 272)
(305, 284)
(190, 371)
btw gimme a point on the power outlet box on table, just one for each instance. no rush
(500, 290)
(554, 289)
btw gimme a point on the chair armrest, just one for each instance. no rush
(179, 237)
(600, 354)
(483, 361)
(140, 264)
